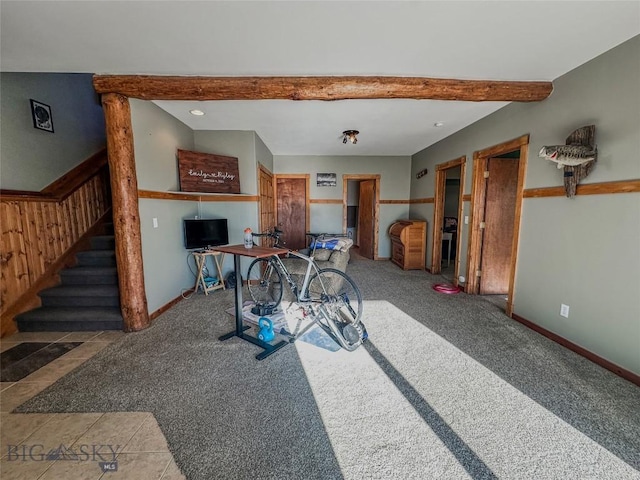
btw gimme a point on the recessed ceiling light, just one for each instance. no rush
(438, 124)
(196, 112)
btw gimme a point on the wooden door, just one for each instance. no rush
(291, 211)
(438, 220)
(366, 218)
(266, 203)
(499, 216)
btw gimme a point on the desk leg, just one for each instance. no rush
(236, 267)
(240, 328)
(238, 293)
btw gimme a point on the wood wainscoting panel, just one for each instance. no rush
(422, 200)
(37, 233)
(326, 201)
(39, 229)
(621, 186)
(191, 197)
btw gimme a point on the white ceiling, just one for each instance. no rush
(515, 40)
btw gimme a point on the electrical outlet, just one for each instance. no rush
(564, 310)
(466, 219)
(155, 222)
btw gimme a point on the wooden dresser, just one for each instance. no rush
(408, 243)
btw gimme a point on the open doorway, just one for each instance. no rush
(446, 215)
(360, 203)
(496, 204)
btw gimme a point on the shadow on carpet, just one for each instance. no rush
(224, 414)
(448, 387)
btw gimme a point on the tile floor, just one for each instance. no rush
(82, 441)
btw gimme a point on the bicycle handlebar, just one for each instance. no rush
(274, 233)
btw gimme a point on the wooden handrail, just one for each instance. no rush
(64, 186)
(41, 230)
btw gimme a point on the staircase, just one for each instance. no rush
(88, 297)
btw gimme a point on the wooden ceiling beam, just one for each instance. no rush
(149, 87)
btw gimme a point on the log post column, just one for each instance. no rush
(126, 216)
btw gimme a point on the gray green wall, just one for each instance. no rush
(263, 154)
(157, 136)
(31, 159)
(244, 145)
(168, 267)
(232, 143)
(582, 252)
(394, 174)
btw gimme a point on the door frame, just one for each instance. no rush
(438, 214)
(478, 196)
(306, 176)
(267, 172)
(376, 207)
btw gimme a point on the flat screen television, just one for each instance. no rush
(205, 233)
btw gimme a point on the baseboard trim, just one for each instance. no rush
(167, 306)
(604, 363)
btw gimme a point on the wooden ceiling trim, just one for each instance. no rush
(150, 87)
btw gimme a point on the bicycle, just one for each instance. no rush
(328, 297)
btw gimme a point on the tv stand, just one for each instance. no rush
(201, 260)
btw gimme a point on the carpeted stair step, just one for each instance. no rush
(89, 275)
(70, 319)
(81, 296)
(103, 242)
(103, 258)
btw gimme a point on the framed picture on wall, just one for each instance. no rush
(326, 179)
(41, 114)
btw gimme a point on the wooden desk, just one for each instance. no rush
(408, 243)
(201, 259)
(256, 252)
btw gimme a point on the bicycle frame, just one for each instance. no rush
(328, 325)
(311, 266)
(319, 316)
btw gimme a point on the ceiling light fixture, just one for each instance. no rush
(438, 124)
(196, 112)
(350, 135)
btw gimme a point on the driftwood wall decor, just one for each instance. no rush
(577, 157)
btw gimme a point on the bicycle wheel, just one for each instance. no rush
(338, 294)
(264, 282)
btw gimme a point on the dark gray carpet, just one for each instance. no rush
(448, 387)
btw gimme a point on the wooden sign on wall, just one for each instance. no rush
(208, 173)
